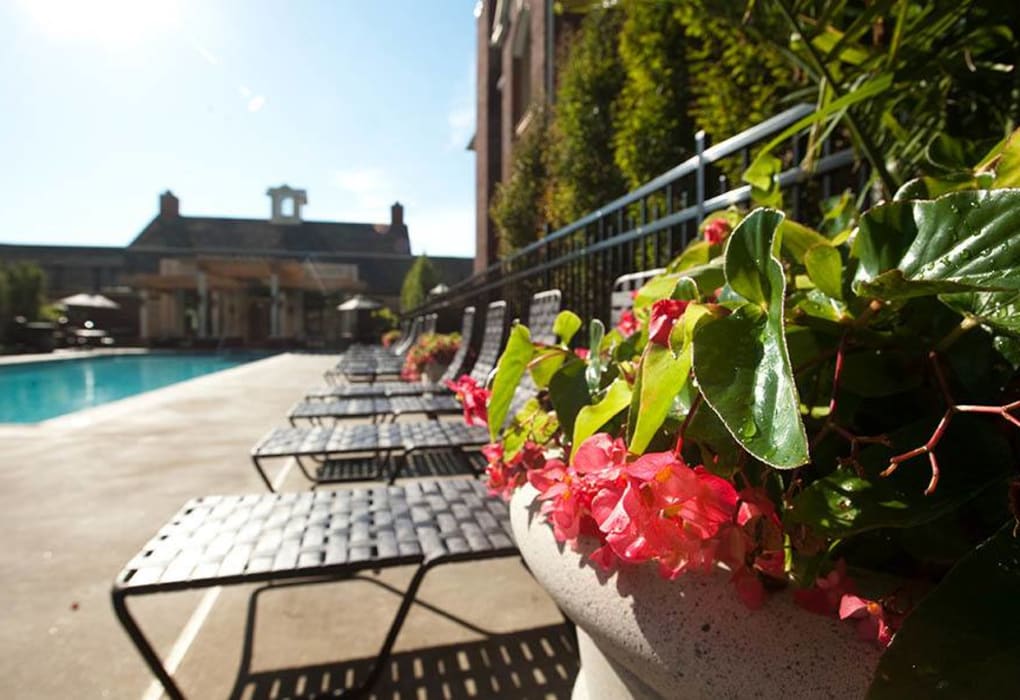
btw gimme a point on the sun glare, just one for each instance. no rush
(108, 22)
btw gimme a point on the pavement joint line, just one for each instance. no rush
(190, 632)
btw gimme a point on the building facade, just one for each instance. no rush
(230, 281)
(517, 41)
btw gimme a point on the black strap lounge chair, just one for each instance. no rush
(623, 292)
(314, 537)
(365, 363)
(488, 354)
(433, 400)
(355, 452)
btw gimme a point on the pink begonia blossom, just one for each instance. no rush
(824, 597)
(665, 312)
(872, 624)
(717, 230)
(582, 353)
(505, 476)
(473, 398)
(628, 324)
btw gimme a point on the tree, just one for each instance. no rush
(582, 170)
(5, 299)
(26, 289)
(653, 129)
(422, 277)
(519, 204)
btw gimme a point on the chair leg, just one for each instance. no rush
(262, 473)
(143, 646)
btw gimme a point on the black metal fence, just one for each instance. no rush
(649, 226)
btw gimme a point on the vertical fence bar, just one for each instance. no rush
(699, 176)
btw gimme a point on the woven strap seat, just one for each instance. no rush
(314, 536)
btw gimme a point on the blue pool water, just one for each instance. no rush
(37, 391)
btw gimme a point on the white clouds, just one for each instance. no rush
(256, 103)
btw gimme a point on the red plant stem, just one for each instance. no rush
(952, 408)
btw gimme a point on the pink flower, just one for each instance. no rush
(473, 398)
(506, 476)
(627, 324)
(870, 616)
(717, 230)
(665, 312)
(582, 353)
(824, 597)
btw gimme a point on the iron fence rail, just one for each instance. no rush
(650, 225)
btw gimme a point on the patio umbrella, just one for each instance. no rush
(91, 301)
(359, 303)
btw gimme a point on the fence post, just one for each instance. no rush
(699, 177)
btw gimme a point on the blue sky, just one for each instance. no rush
(110, 102)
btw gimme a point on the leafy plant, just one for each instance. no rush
(422, 277)
(519, 205)
(806, 405)
(582, 172)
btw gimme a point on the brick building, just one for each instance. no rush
(517, 42)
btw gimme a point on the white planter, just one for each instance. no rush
(433, 373)
(642, 636)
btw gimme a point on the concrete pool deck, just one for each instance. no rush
(80, 494)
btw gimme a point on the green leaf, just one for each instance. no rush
(1007, 171)
(963, 241)
(999, 310)
(697, 253)
(972, 456)
(566, 325)
(963, 638)
(545, 363)
(662, 375)
(568, 392)
(865, 91)
(825, 268)
(751, 268)
(741, 361)
(530, 423)
(798, 239)
(591, 418)
(509, 371)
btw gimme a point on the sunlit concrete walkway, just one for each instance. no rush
(80, 494)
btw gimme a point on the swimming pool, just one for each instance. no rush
(36, 391)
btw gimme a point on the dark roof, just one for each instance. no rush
(255, 235)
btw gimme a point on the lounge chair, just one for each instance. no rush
(366, 363)
(346, 452)
(492, 342)
(314, 536)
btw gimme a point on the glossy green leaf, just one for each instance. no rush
(512, 365)
(798, 239)
(751, 267)
(568, 392)
(566, 325)
(963, 639)
(972, 456)
(825, 268)
(999, 310)
(591, 418)
(662, 375)
(963, 241)
(695, 254)
(741, 361)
